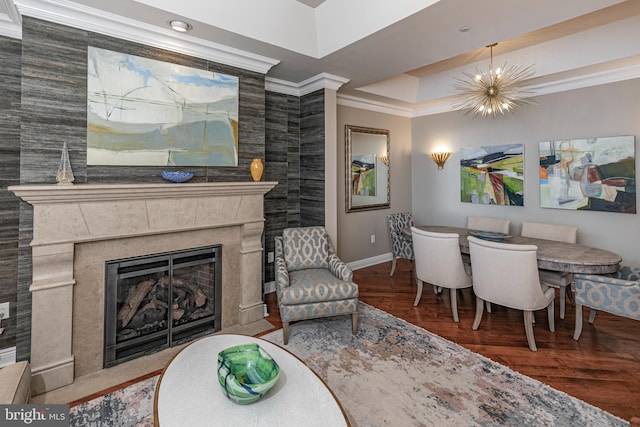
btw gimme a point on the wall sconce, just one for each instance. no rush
(384, 159)
(440, 158)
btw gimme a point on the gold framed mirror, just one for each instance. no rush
(367, 167)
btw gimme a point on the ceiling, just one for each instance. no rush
(391, 55)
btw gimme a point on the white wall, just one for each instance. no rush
(606, 110)
(355, 229)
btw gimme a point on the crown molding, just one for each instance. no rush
(444, 105)
(321, 81)
(587, 80)
(370, 105)
(10, 20)
(86, 18)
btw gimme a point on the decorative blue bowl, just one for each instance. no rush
(177, 176)
(246, 372)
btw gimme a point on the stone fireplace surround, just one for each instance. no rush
(77, 228)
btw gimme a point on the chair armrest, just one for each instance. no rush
(282, 274)
(280, 265)
(339, 268)
(607, 280)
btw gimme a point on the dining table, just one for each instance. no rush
(552, 255)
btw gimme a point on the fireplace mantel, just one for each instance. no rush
(76, 228)
(52, 194)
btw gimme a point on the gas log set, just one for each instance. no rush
(145, 307)
(157, 301)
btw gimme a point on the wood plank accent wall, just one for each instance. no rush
(9, 175)
(53, 103)
(312, 159)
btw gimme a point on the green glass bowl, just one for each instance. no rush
(246, 372)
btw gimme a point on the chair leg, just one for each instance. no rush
(578, 330)
(454, 304)
(435, 290)
(592, 315)
(563, 298)
(488, 306)
(285, 333)
(418, 292)
(550, 317)
(479, 310)
(393, 266)
(354, 323)
(528, 328)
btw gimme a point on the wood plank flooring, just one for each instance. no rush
(602, 368)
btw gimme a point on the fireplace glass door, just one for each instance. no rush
(158, 301)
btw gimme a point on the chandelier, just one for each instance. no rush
(493, 92)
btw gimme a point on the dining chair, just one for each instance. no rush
(482, 223)
(617, 293)
(496, 225)
(559, 233)
(439, 262)
(507, 274)
(401, 245)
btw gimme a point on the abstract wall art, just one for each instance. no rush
(363, 174)
(596, 174)
(143, 112)
(492, 175)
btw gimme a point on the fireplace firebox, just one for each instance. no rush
(157, 301)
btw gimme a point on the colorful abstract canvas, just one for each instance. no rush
(492, 175)
(143, 112)
(596, 174)
(363, 174)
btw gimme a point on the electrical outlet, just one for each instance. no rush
(373, 239)
(270, 256)
(4, 310)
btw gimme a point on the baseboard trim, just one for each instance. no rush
(7, 356)
(368, 262)
(269, 287)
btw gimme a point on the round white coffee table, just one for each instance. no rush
(188, 392)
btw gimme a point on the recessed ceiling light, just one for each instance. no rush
(180, 26)
(464, 29)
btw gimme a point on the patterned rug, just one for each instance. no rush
(391, 374)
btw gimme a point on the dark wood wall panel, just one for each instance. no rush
(9, 175)
(312, 159)
(282, 155)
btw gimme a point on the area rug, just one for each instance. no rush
(391, 374)
(396, 374)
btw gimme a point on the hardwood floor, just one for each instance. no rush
(602, 368)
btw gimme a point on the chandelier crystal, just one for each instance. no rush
(493, 92)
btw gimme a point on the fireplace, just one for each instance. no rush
(157, 301)
(78, 228)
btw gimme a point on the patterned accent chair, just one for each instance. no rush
(401, 244)
(618, 293)
(311, 281)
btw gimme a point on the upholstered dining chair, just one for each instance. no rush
(401, 245)
(559, 233)
(483, 223)
(438, 262)
(311, 281)
(496, 225)
(507, 274)
(617, 293)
